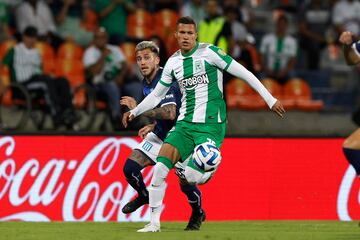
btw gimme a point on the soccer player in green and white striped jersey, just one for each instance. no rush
(197, 67)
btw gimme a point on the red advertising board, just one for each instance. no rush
(74, 178)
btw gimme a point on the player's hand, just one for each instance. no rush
(130, 102)
(278, 109)
(346, 38)
(127, 117)
(145, 130)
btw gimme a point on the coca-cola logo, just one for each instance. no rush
(348, 201)
(92, 188)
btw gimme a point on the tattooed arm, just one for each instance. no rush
(167, 112)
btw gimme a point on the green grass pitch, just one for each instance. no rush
(244, 230)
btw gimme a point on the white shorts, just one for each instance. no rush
(151, 145)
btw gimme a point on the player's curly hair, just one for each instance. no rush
(148, 45)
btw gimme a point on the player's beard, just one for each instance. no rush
(150, 75)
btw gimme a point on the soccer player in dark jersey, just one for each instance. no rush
(351, 145)
(145, 154)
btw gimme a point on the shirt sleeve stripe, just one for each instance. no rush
(228, 64)
(226, 58)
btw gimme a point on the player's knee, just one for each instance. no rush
(131, 167)
(351, 144)
(353, 141)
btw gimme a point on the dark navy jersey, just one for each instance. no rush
(357, 48)
(173, 96)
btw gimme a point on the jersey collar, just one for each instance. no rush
(192, 51)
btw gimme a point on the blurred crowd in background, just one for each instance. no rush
(291, 45)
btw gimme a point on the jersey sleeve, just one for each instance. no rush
(356, 47)
(167, 76)
(169, 97)
(218, 57)
(89, 58)
(239, 71)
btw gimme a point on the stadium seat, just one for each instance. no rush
(48, 57)
(298, 92)
(128, 49)
(241, 95)
(73, 70)
(5, 78)
(171, 45)
(5, 46)
(165, 22)
(5, 75)
(140, 24)
(46, 50)
(272, 86)
(70, 50)
(90, 21)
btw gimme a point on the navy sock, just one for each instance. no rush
(134, 177)
(353, 156)
(193, 194)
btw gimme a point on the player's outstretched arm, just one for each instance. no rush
(240, 71)
(347, 39)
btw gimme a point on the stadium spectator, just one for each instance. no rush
(35, 13)
(113, 14)
(195, 9)
(5, 15)
(25, 64)
(346, 16)
(314, 20)
(106, 67)
(278, 52)
(243, 13)
(215, 29)
(244, 50)
(68, 15)
(157, 5)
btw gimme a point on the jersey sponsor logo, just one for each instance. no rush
(169, 96)
(191, 83)
(147, 146)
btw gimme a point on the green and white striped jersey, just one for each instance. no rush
(200, 78)
(23, 62)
